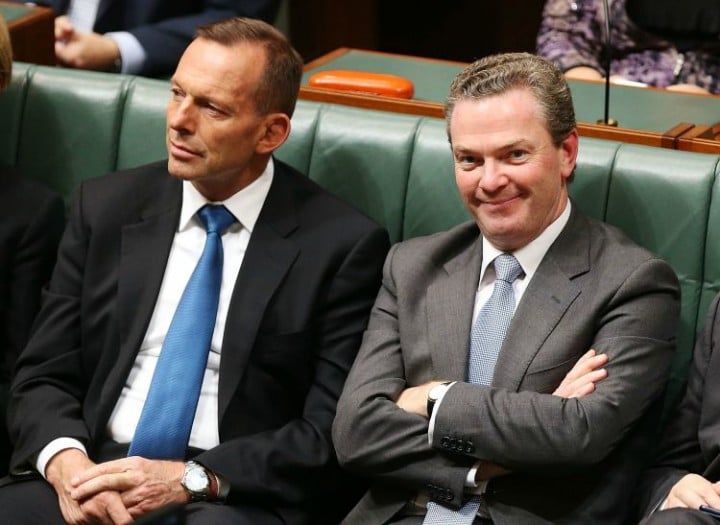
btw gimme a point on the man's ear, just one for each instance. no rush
(568, 154)
(275, 131)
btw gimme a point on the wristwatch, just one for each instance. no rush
(434, 394)
(196, 481)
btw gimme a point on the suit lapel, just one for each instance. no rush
(145, 247)
(544, 303)
(450, 300)
(268, 258)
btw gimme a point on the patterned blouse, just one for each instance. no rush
(572, 34)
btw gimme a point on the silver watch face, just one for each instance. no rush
(196, 479)
(436, 391)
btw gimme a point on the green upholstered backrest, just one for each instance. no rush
(297, 150)
(710, 284)
(432, 202)
(142, 130)
(364, 157)
(62, 126)
(661, 199)
(69, 126)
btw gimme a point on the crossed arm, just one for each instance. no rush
(579, 382)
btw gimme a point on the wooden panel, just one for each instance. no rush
(637, 108)
(462, 30)
(31, 32)
(319, 26)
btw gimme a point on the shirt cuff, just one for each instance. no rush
(431, 424)
(223, 487)
(471, 484)
(132, 53)
(52, 448)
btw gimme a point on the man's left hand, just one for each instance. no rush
(143, 484)
(414, 399)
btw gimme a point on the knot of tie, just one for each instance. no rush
(216, 218)
(507, 267)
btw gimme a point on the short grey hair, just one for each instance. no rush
(498, 74)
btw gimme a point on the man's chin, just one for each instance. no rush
(179, 171)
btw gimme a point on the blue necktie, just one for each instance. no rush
(486, 339)
(167, 417)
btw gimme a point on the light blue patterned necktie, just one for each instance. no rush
(169, 411)
(486, 339)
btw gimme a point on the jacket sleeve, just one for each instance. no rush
(373, 436)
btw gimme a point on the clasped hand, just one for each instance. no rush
(83, 50)
(115, 492)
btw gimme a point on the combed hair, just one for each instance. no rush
(498, 74)
(5, 55)
(280, 82)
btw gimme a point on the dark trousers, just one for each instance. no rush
(34, 502)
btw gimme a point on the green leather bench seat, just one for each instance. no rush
(62, 126)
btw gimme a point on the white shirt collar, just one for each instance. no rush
(531, 255)
(245, 205)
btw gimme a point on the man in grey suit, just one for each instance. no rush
(413, 417)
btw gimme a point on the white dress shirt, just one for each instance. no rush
(529, 256)
(185, 252)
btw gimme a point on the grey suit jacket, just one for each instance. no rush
(573, 460)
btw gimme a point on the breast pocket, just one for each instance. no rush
(546, 377)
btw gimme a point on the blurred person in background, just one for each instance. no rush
(139, 37)
(663, 43)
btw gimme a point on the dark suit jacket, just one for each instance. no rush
(164, 28)
(32, 220)
(574, 460)
(30, 229)
(691, 441)
(299, 307)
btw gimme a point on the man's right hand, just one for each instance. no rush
(104, 508)
(579, 382)
(691, 492)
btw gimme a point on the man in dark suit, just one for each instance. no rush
(31, 222)
(144, 37)
(300, 272)
(686, 474)
(444, 414)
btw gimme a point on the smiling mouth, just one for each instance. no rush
(498, 202)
